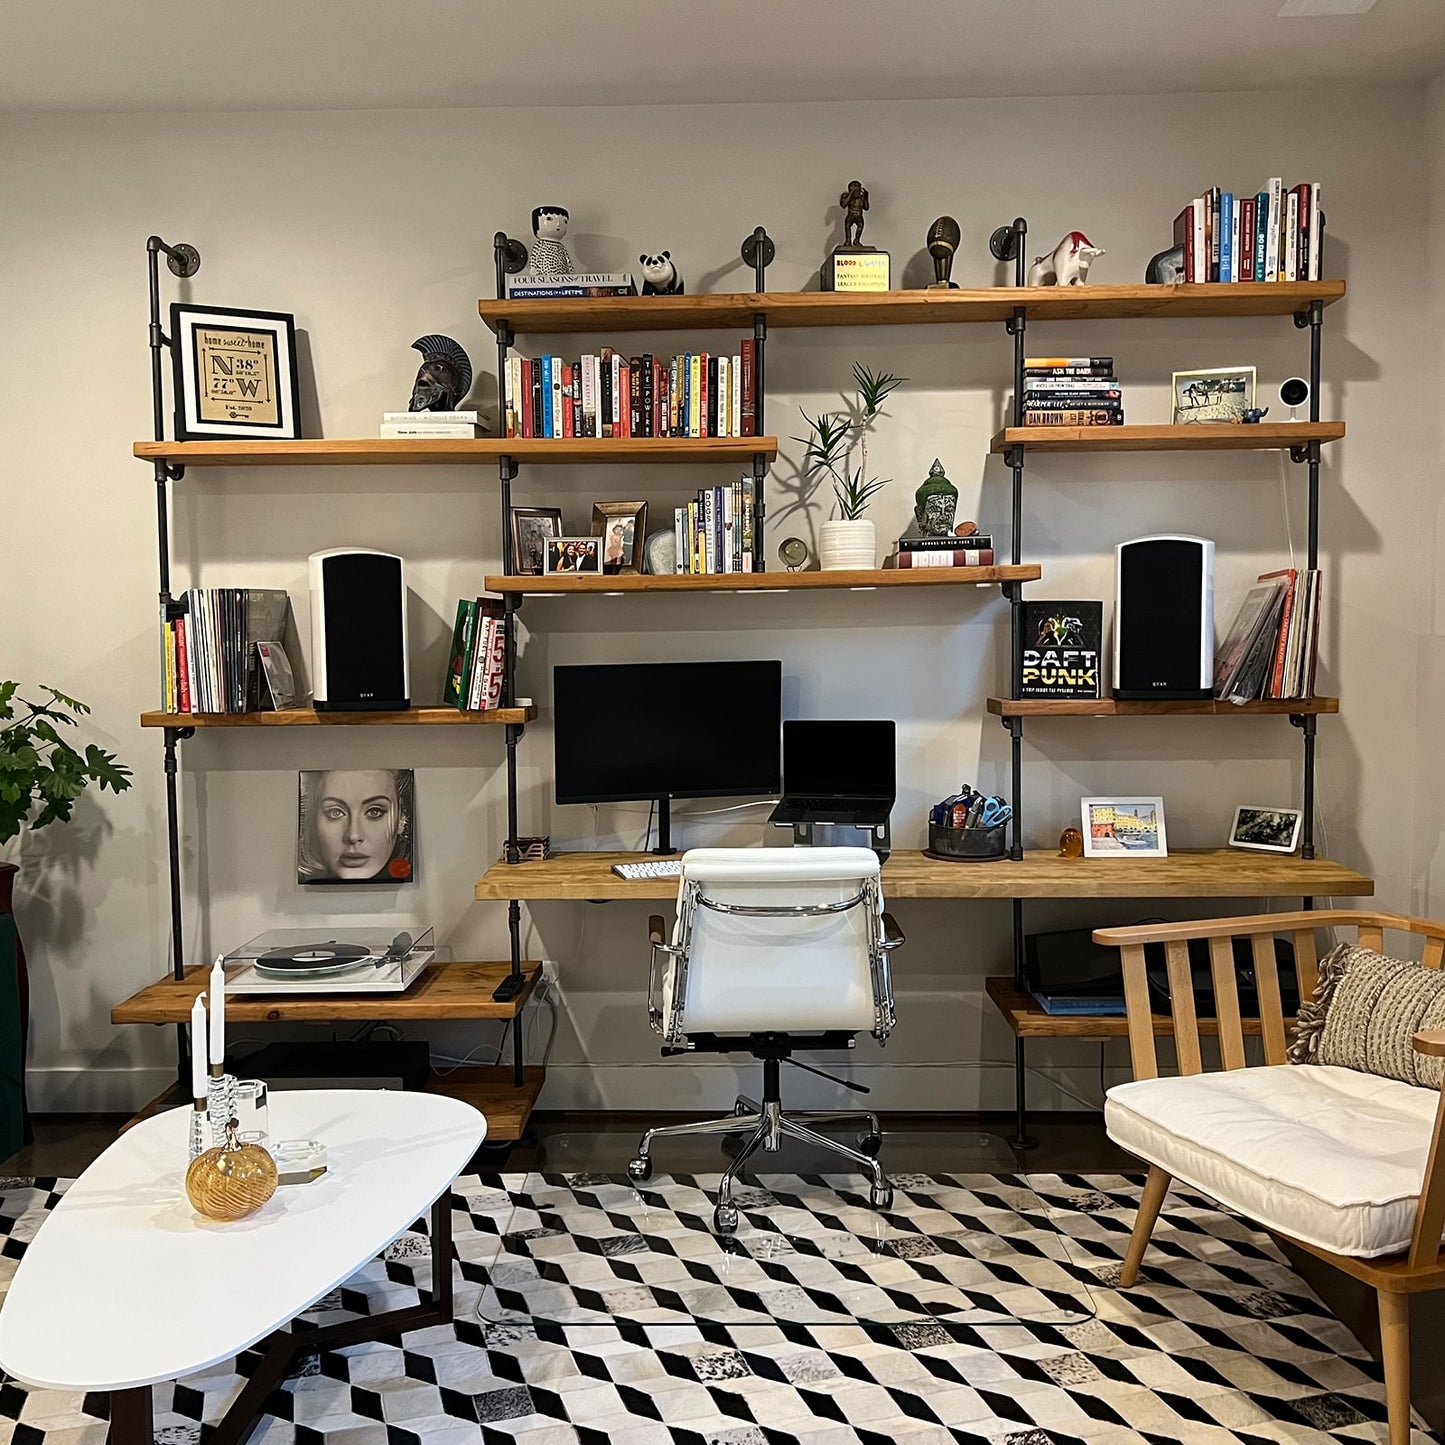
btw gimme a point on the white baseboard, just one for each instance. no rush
(94, 1091)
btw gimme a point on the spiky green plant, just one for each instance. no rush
(832, 436)
(37, 765)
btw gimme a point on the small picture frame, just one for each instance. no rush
(1217, 394)
(622, 526)
(1266, 830)
(573, 555)
(1123, 828)
(532, 527)
(235, 373)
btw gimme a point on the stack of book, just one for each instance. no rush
(714, 532)
(577, 283)
(974, 551)
(1273, 235)
(1272, 645)
(610, 395)
(432, 424)
(1071, 391)
(478, 656)
(209, 659)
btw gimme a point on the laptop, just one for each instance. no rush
(837, 772)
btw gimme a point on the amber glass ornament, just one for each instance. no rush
(231, 1181)
(1071, 843)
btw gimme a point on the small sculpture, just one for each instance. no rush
(935, 503)
(659, 276)
(1071, 843)
(232, 1180)
(1069, 263)
(1254, 414)
(854, 202)
(444, 376)
(943, 239)
(549, 255)
(1166, 269)
(793, 553)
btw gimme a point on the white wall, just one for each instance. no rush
(374, 228)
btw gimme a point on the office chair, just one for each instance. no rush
(773, 949)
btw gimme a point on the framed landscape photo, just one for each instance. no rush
(1218, 394)
(1124, 827)
(573, 554)
(235, 373)
(622, 526)
(532, 527)
(1267, 830)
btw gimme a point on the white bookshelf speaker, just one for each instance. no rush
(1164, 619)
(358, 631)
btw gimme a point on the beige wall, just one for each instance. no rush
(374, 228)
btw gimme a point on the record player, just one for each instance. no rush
(330, 960)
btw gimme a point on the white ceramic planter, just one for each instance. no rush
(847, 546)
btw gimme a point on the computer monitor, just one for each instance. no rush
(625, 732)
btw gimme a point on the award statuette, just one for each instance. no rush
(943, 238)
(854, 266)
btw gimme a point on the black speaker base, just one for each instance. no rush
(370, 704)
(1160, 694)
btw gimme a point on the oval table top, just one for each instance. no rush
(126, 1285)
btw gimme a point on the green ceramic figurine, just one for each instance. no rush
(935, 503)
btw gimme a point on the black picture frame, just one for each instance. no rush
(531, 525)
(234, 373)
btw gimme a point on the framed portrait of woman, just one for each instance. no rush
(356, 825)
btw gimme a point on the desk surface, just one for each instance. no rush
(1193, 873)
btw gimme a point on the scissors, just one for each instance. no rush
(995, 811)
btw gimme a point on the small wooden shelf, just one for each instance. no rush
(409, 451)
(492, 1091)
(766, 581)
(1192, 873)
(443, 991)
(736, 311)
(1119, 707)
(1203, 437)
(1026, 1016)
(296, 717)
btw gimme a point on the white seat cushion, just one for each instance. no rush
(1327, 1155)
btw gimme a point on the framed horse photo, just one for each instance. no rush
(1218, 394)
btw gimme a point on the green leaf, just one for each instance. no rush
(104, 769)
(79, 708)
(7, 691)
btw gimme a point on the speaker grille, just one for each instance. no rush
(1162, 621)
(364, 619)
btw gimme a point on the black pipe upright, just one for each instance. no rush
(760, 466)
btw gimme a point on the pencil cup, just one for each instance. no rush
(968, 845)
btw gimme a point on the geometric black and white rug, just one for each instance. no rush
(1220, 1342)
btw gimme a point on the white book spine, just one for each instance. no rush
(1315, 238)
(400, 429)
(1236, 259)
(679, 528)
(481, 644)
(1271, 238)
(557, 408)
(589, 395)
(616, 362)
(434, 418)
(737, 396)
(1201, 261)
(724, 396)
(1291, 238)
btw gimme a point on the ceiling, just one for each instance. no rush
(144, 55)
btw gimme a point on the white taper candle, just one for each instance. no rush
(218, 1015)
(198, 1047)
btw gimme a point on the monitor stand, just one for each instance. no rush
(835, 835)
(664, 829)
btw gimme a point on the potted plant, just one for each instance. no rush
(41, 776)
(849, 541)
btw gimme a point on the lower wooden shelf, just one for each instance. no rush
(292, 717)
(444, 991)
(1121, 707)
(491, 1090)
(1026, 1016)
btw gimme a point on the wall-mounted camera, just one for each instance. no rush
(1294, 392)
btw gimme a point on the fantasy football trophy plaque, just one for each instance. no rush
(854, 266)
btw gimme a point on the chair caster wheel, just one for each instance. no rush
(725, 1219)
(871, 1145)
(881, 1198)
(640, 1169)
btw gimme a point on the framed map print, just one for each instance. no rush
(235, 373)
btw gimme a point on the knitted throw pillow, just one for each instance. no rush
(1366, 1010)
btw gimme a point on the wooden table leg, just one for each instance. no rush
(131, 1418)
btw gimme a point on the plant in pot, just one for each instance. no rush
(41, 776)
(849, 541)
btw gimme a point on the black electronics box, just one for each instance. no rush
(402, 1064)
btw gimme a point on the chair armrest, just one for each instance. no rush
(669, 953)
(893, 934)
(656, 930)
(1430, 1041)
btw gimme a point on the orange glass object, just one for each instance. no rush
(231, 1181)
(1071, 843)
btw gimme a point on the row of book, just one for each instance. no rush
(695, 394)
(1272, 646)
(209, 655)
(1071, 391)
(478, 656)
(1277, 234)
(714, 531)
(575, 283)
(974, 551)
(430, 424)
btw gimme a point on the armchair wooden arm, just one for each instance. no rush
(1430, 1213)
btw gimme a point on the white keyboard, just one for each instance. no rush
(663, 868)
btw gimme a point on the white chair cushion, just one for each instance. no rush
(1327, 1155)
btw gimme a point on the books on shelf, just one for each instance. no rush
(1274, 234)
(430, 424)
(477, 658)
(1071, 391)
(577, 283)
(209, 653)
(1271, 648)
(693, 394)
(974, 551)
(714, 531)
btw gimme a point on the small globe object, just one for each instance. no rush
(1071, 843)
(794, 552)
(232, 1181)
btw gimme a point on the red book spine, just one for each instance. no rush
(749, 403)
(702, 399)
(568, 419)
(524, 400)
(183, 666)
(1246, 239)
(959, 557)
(624, 409)
(1184, 236)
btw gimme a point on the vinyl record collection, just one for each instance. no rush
(1272, 646)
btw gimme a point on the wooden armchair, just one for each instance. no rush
(1346, 1165)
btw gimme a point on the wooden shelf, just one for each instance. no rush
(491, 1090)
(766, 581)
(409, 451)
(296, 717)
(1026, 1016)
(904, 308)
(1203, 437)
(443, 991)
(1119, 707)
(1193, 873)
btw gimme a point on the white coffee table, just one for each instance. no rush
(125, 1285)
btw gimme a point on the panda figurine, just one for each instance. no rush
(659, 276)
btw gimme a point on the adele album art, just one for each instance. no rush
(356, 825)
